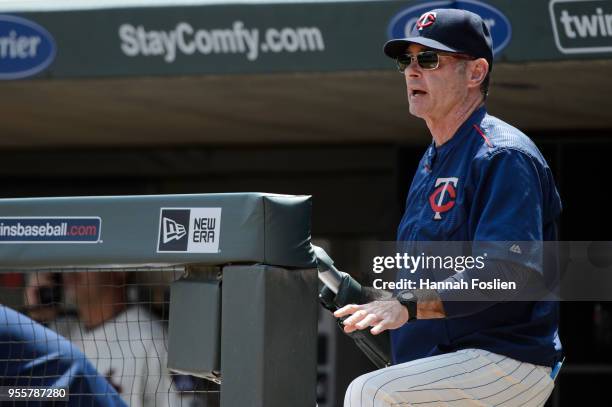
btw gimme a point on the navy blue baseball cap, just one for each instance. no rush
(450, 30)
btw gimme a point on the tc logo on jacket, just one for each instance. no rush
(437, 200)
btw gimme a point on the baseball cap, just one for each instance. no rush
(449, 30)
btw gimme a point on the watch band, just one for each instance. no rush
(409, 300)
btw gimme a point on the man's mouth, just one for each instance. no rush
(417, 92)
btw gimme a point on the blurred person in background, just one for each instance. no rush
(124, 340)
(43, 296)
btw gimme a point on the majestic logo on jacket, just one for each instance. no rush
(443, 198)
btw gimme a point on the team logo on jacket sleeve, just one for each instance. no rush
(443, 197)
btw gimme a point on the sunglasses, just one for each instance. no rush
(427, 60)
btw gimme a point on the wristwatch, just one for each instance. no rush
(408, 300)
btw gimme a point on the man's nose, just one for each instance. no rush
(413, 70)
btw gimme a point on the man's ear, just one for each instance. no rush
(478, 71)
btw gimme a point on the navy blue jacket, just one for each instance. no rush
(488, 183)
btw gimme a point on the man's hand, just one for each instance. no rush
(381, 315)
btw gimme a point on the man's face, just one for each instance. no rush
(433, 94)
(91, 287)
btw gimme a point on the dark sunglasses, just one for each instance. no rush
(427, 60)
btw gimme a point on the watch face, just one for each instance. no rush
(406, 296)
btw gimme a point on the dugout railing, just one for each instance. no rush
(241, 271)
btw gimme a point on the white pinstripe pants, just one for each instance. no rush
(466, 378)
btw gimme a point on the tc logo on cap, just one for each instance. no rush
(426, 20)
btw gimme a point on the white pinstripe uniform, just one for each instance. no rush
(468, 377)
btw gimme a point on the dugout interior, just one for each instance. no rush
(344, 137)
(71, 157)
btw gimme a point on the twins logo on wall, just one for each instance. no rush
(501, 31)
(26, 48)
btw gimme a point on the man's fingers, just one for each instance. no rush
(369, 320)
(380, 327)
(356, 317)
(375, 314)
(346, 310)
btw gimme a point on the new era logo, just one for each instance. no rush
(172, 230)
(516, 249)
(189, 230)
